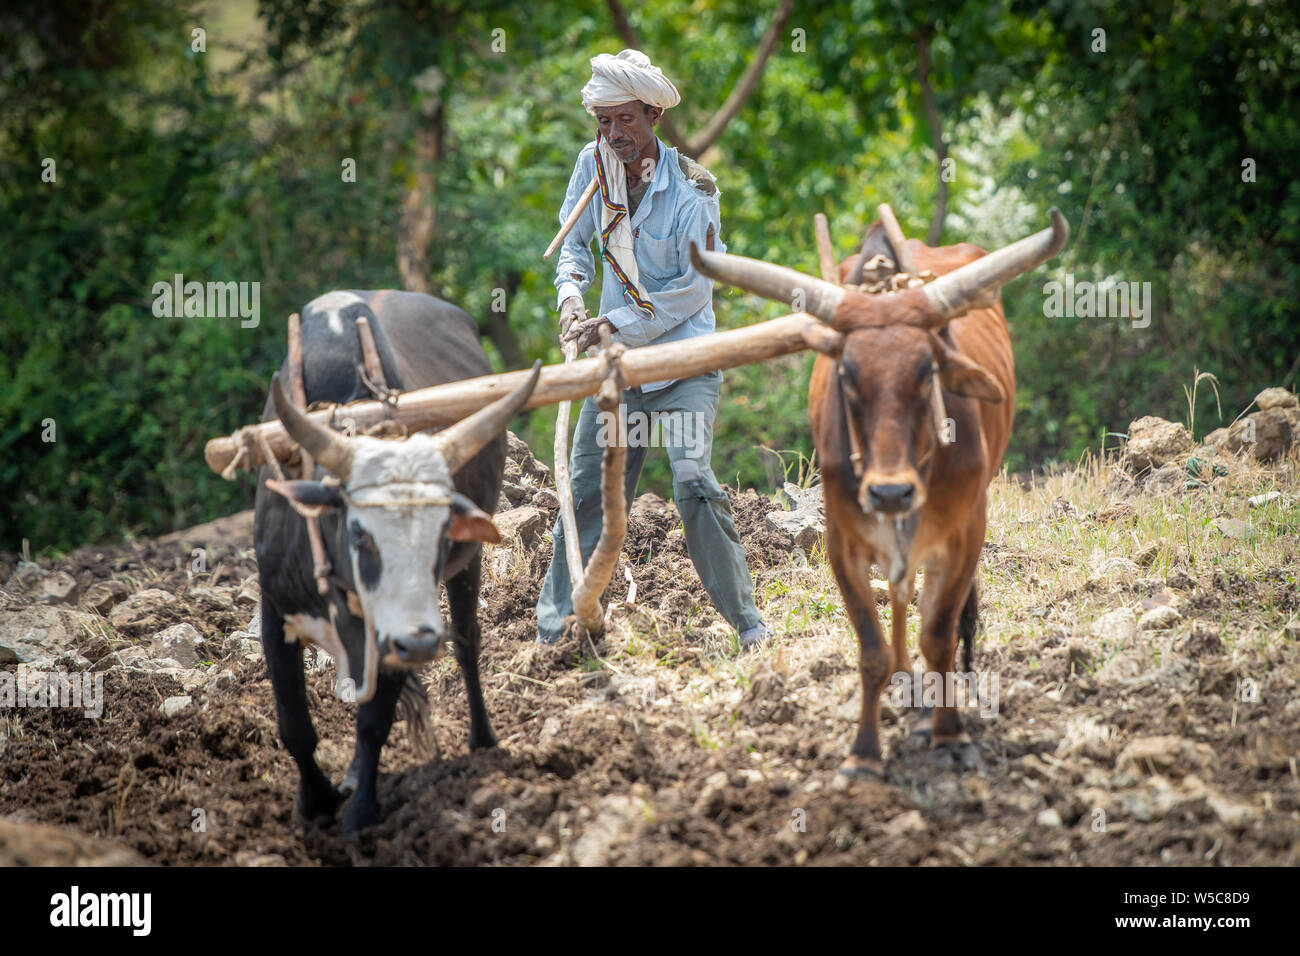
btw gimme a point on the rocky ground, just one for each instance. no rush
(1138, 652)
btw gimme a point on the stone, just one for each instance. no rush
(1165, 754)
(1147, 556)
(521, 456)
(220, 679)
(1259, 501)
(141, 610)
(909, 822)
(190, 678)
(617, 819)
(547, 499)
(249, 592)
(1231, 527)
(804, 499)
(175, 705)
(213, 598)
(524, 525)
(1117, 626)
(1153, 442)
(1049, 818)
(1276, 398)
(180, 642)
(1159, 618)
(57, 587)
(39, 634)
(1265, 435)
(24, 843)
(1113, 567)
(1166, 479)
(805, 527)
(27, 574)
(130, 658)
(104, 596)
(1231, 813)
(1217, 438)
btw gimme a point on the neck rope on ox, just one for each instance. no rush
(939, 434)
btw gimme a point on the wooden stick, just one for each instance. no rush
(825, 252)
(613, 500)
(574, 216)
(440, 405)
(894, 232)
(298, 392)
(563, 484)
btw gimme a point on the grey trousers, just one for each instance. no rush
(686, 411)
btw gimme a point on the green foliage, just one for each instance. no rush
(226, 166)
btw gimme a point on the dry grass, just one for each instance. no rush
(1045, 579)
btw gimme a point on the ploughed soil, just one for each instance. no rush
(663, 744)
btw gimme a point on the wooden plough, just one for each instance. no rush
(606, 375)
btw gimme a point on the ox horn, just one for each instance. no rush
(465, 439)
(323, 444)
(960, 290)
(771, 282)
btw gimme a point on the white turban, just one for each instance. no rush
(628, 76)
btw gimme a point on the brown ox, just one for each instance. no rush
(895, 494)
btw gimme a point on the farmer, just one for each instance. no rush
(651, 205)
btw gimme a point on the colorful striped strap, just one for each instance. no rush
(630, 294)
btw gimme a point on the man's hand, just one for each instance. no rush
(587, 333)
(571, 309)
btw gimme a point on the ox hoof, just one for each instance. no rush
(349, 784)
(862, 768)
(359, 815)
(315, 803)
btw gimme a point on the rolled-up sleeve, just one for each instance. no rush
(681, 297)
(575, 253)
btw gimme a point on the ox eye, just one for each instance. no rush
(362, 540)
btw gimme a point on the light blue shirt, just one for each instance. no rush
(672, 214)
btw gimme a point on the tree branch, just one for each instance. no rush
(696, 145)
(744, 87)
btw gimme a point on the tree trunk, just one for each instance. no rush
(419, 210)
(933, 237)
(496, 325)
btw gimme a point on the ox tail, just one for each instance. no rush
(970, 619)
(413, 707)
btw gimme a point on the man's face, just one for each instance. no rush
(628, 127)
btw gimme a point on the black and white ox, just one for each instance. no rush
(396, 517)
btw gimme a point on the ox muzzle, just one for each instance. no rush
(412, 650)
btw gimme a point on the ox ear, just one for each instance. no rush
(469, 522)
(824, 339)
(309, 498)
(961, 376)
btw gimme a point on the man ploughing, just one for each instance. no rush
(652, 203)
